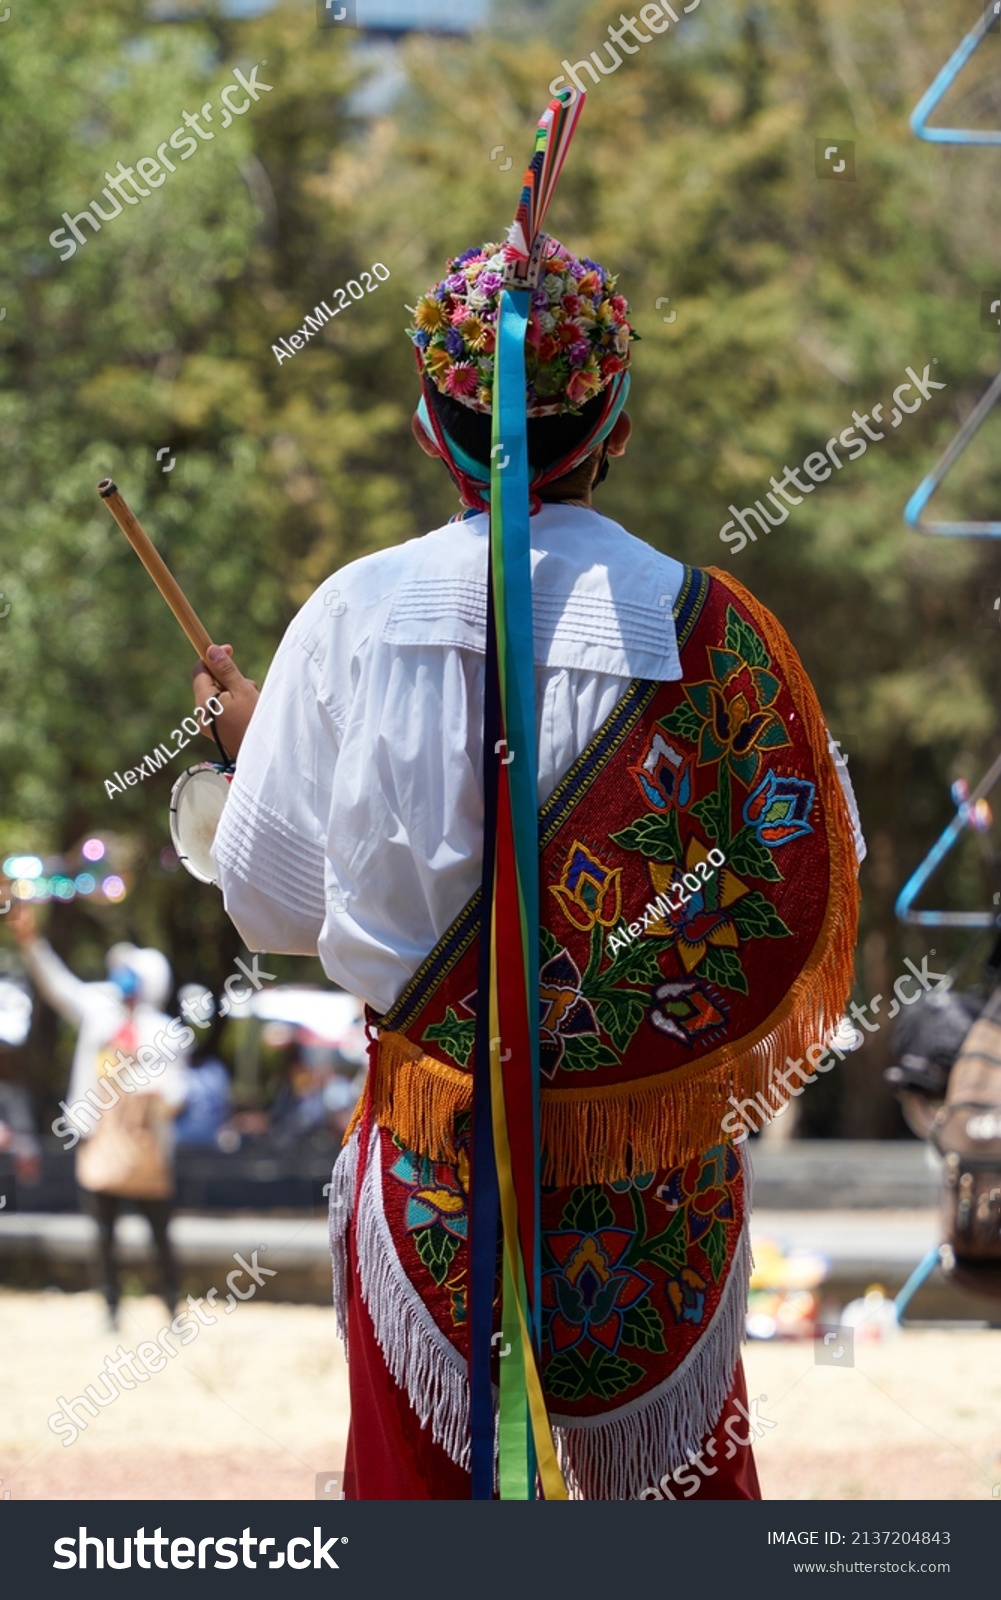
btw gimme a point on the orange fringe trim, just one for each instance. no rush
(603, 1135)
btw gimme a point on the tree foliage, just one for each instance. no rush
(797, 301)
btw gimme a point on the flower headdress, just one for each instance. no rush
(577, 341)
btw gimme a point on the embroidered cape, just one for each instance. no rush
(700, 902)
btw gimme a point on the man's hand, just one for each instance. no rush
(219, 675)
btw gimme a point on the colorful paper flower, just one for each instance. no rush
(429, 314)
(461, 379)
(577, 322)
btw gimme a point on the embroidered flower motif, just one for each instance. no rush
(778, 809)
(704, 919)
(685, 1011)
(664, 774)
(734, 707)
(590, 1290)
(437, 1192)
(563, 1012)
(704, 1187)
(636, 1180)
(588, 891)
(686, 1295)
(699, 1198)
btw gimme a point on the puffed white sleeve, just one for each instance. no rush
(269, 847)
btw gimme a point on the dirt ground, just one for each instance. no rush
(256, 1406)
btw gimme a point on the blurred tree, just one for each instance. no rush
(797, 301)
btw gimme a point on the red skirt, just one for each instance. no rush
(390, 1456)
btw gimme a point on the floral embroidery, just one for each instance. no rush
(435, 1214)
(590, 1290)
(685, 1011)
(778, 809)
(664, 774)
(705, 918)
(699, 1197)
(686, 1295)
(588, 891)
(731, 715)
(564, 1014)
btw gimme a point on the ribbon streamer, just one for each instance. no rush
(509, 996)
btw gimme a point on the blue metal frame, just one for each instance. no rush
(941, 848)
(948, 75)
(923, 493)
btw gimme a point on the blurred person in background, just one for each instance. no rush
(127, 1084)
(207, 1085)
(18, 1138)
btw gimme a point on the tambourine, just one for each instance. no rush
(196, 803)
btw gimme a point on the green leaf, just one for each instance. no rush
(684, 722)
(640, 962)
(611, 1375)
(671, 1247)
(587, 1210)
(741, 637)
(714, 1245)
(713, 812)
(567, 1376)
(620, 1015)
(455, 1034)
(654, 835)
(548, 946)
(756, 918)
(722, 967)
(643, 1328)
(749, 858)
(436, 1248)
(584, 1052)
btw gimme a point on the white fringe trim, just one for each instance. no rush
(619, 1455)
(343, 1179)
(424, 1364)
(615, 1456)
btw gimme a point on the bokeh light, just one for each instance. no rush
(23, 867)
(93, 850)
(113, 888)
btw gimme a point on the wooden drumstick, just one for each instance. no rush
(156, 567)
